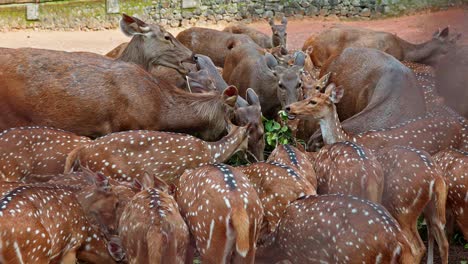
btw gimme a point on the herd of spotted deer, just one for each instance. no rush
(87, 173)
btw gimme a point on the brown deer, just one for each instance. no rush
(96, 96)
(53, 228)
(277, 185)
(454, 166)
(278, 38)
(431, 133)
(397, 163)
(276, 86)
(336, 229)
(293, 157)
(348, 168)
(151, 227)
(336, 39)
(213, 43)
(127, 155)
(223, 213)
(35, 150)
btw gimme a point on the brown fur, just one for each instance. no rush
(262, 39)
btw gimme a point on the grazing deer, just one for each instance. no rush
(454, 166)
(336, 229)
(151, 227)
(53, 228)
(247, 66)
(348, 168)
(431, 133)
(277, 185)
(277, 39)
(35, 150)
(223, 213)
(336, 39)
(213, 43)
(293, 157)
(125, 156)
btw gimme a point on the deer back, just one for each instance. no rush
(35, 150)
(258, 37)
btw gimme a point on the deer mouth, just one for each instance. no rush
(291, 116)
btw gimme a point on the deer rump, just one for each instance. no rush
(380, 91)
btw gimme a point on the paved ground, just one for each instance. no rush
(416, 28)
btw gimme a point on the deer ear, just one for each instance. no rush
(132, 26)
(335, 93)
(252, 97)
(115, 249)
(271, 21)
(323, 81)
(161, 184)
(284, 21)
(299, 58)
(230, 95)
(136, 185)
(101, 181)
(309, 50)
(442, 34)
(147, 181)
(270, 60)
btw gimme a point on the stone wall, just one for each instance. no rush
(90, 15)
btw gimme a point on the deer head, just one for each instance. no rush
(440, 44)
(279, 32)
(153, 45)
(318, 106)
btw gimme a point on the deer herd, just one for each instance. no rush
(121, 158)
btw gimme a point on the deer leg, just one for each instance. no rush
(430, 246)
(69, 257)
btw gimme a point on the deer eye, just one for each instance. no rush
(166, 37)
(317, 88)
(299, 84)
(280, 85)
(312, 102)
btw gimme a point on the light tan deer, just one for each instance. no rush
(127, 155)
(35, 150)
(454, 165)
(336, 229)
(426, 192)
(53, 228)
(151, 227)
(293, 157)
(223, 213)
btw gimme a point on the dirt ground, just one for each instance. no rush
(415, 28)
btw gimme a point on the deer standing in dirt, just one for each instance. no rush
(223, 213)
(53, 228)
(336, 229)
(125, 156)
(334, 40)
(454, 166)
(404, 202)
(35, 150)
(151, 227)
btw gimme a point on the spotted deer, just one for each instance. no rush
(151, 227)
(125, 156)
(53, 228)
(454, 166)
(35, 150)
(431, 132)
(293, 157)
(222, 211)
(336, 229)
(277, 185)
(402, 165)
(348, 168)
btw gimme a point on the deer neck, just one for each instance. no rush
(222, 150)
(133, 53)
(417, 52)
(331, 128)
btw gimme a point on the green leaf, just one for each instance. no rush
(276, 125)
(466, 246)
(284, 128)
(284, 141)
(269, 125)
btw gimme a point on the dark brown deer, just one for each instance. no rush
(277, 185)
(336, 229)
(213, 43)
(152, 229)
(35, 150)
(223, 212)
(454, 166)
(336, 39)
(431, 133)
(348, 168)
(127, 155)
(276, 86)
(91, 95)
(53, 228)
(293, 157)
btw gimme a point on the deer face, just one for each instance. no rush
(440, 45)
(159, 46)
(279, 32)
(289, 88)
(317, 106)
(200, 81)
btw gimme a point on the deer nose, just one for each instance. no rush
(287, 109)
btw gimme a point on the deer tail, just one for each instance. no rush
(240, 222)
(72, 157)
